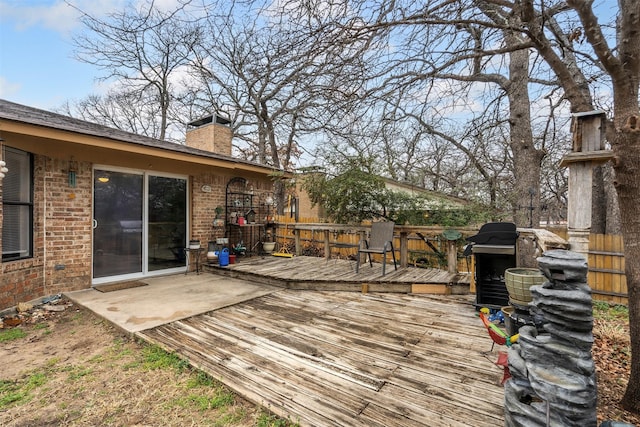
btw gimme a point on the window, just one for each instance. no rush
(17, 205)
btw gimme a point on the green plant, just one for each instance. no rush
(10, 393)
(18, 392)
(157, 358)
(44, 327)
(78, 372)
(12, 334)
(354, 195)
(200, 379)
(236, 416)
(52, 362)
(606, 311)
(267, 419)
(202, 402)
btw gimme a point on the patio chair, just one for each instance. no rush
(380, 242)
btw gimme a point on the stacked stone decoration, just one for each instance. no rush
(553, 379)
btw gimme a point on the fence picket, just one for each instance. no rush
(606, 268)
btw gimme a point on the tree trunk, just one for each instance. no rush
(263, 132)
(605, 213)
(613, 225)
(626, 166)
(598, 200)
(526, 158)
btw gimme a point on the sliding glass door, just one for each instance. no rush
(139, 225)
(167, 213)
(117, 223)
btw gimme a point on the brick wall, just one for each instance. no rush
(62, 236)
(68, 213)
(63, 228)
(212, 137)
(204, 202)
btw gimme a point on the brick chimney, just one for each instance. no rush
(210, 133)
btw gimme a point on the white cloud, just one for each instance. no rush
(164, 5)
(8, 89)
(56, 15)
(62, 16)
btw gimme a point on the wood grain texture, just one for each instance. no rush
(327, 358)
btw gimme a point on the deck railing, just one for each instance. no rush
(423, 246)
(419, 246)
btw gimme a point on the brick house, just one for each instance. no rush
(84, 204)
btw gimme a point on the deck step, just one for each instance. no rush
(313, 273)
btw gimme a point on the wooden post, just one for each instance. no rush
(452, 256)
(404, 249)
(327, 246)
(588, 150)
(297, 242)
(361, 236)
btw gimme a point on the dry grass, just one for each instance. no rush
(612, 355)
(78, 371)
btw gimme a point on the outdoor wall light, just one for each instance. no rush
(73, 168)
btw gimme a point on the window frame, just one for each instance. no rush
(29, 204)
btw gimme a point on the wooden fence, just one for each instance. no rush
(606, 268)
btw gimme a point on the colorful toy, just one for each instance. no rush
(498, 316)
(498, 336)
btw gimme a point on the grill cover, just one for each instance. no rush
(496, 233)
(492, 235)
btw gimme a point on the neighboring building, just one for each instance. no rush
(84, 204)
(436, 200)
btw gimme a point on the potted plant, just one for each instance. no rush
(268, 245)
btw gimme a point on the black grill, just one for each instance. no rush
(494, 250)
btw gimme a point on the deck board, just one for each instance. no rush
(313, 273)
(330, 358)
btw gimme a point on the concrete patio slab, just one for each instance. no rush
(167, 298)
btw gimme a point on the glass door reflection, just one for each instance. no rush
(117, 224)
(167, 214)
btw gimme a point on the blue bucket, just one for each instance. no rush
(223, 257)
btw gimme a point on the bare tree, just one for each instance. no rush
(142, 50)
(275, 71)
(129, 111)
(272, 75)
(443, 42)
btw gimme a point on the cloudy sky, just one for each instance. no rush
(37, 67)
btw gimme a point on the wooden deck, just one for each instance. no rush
(315, 273)
(329, 358)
